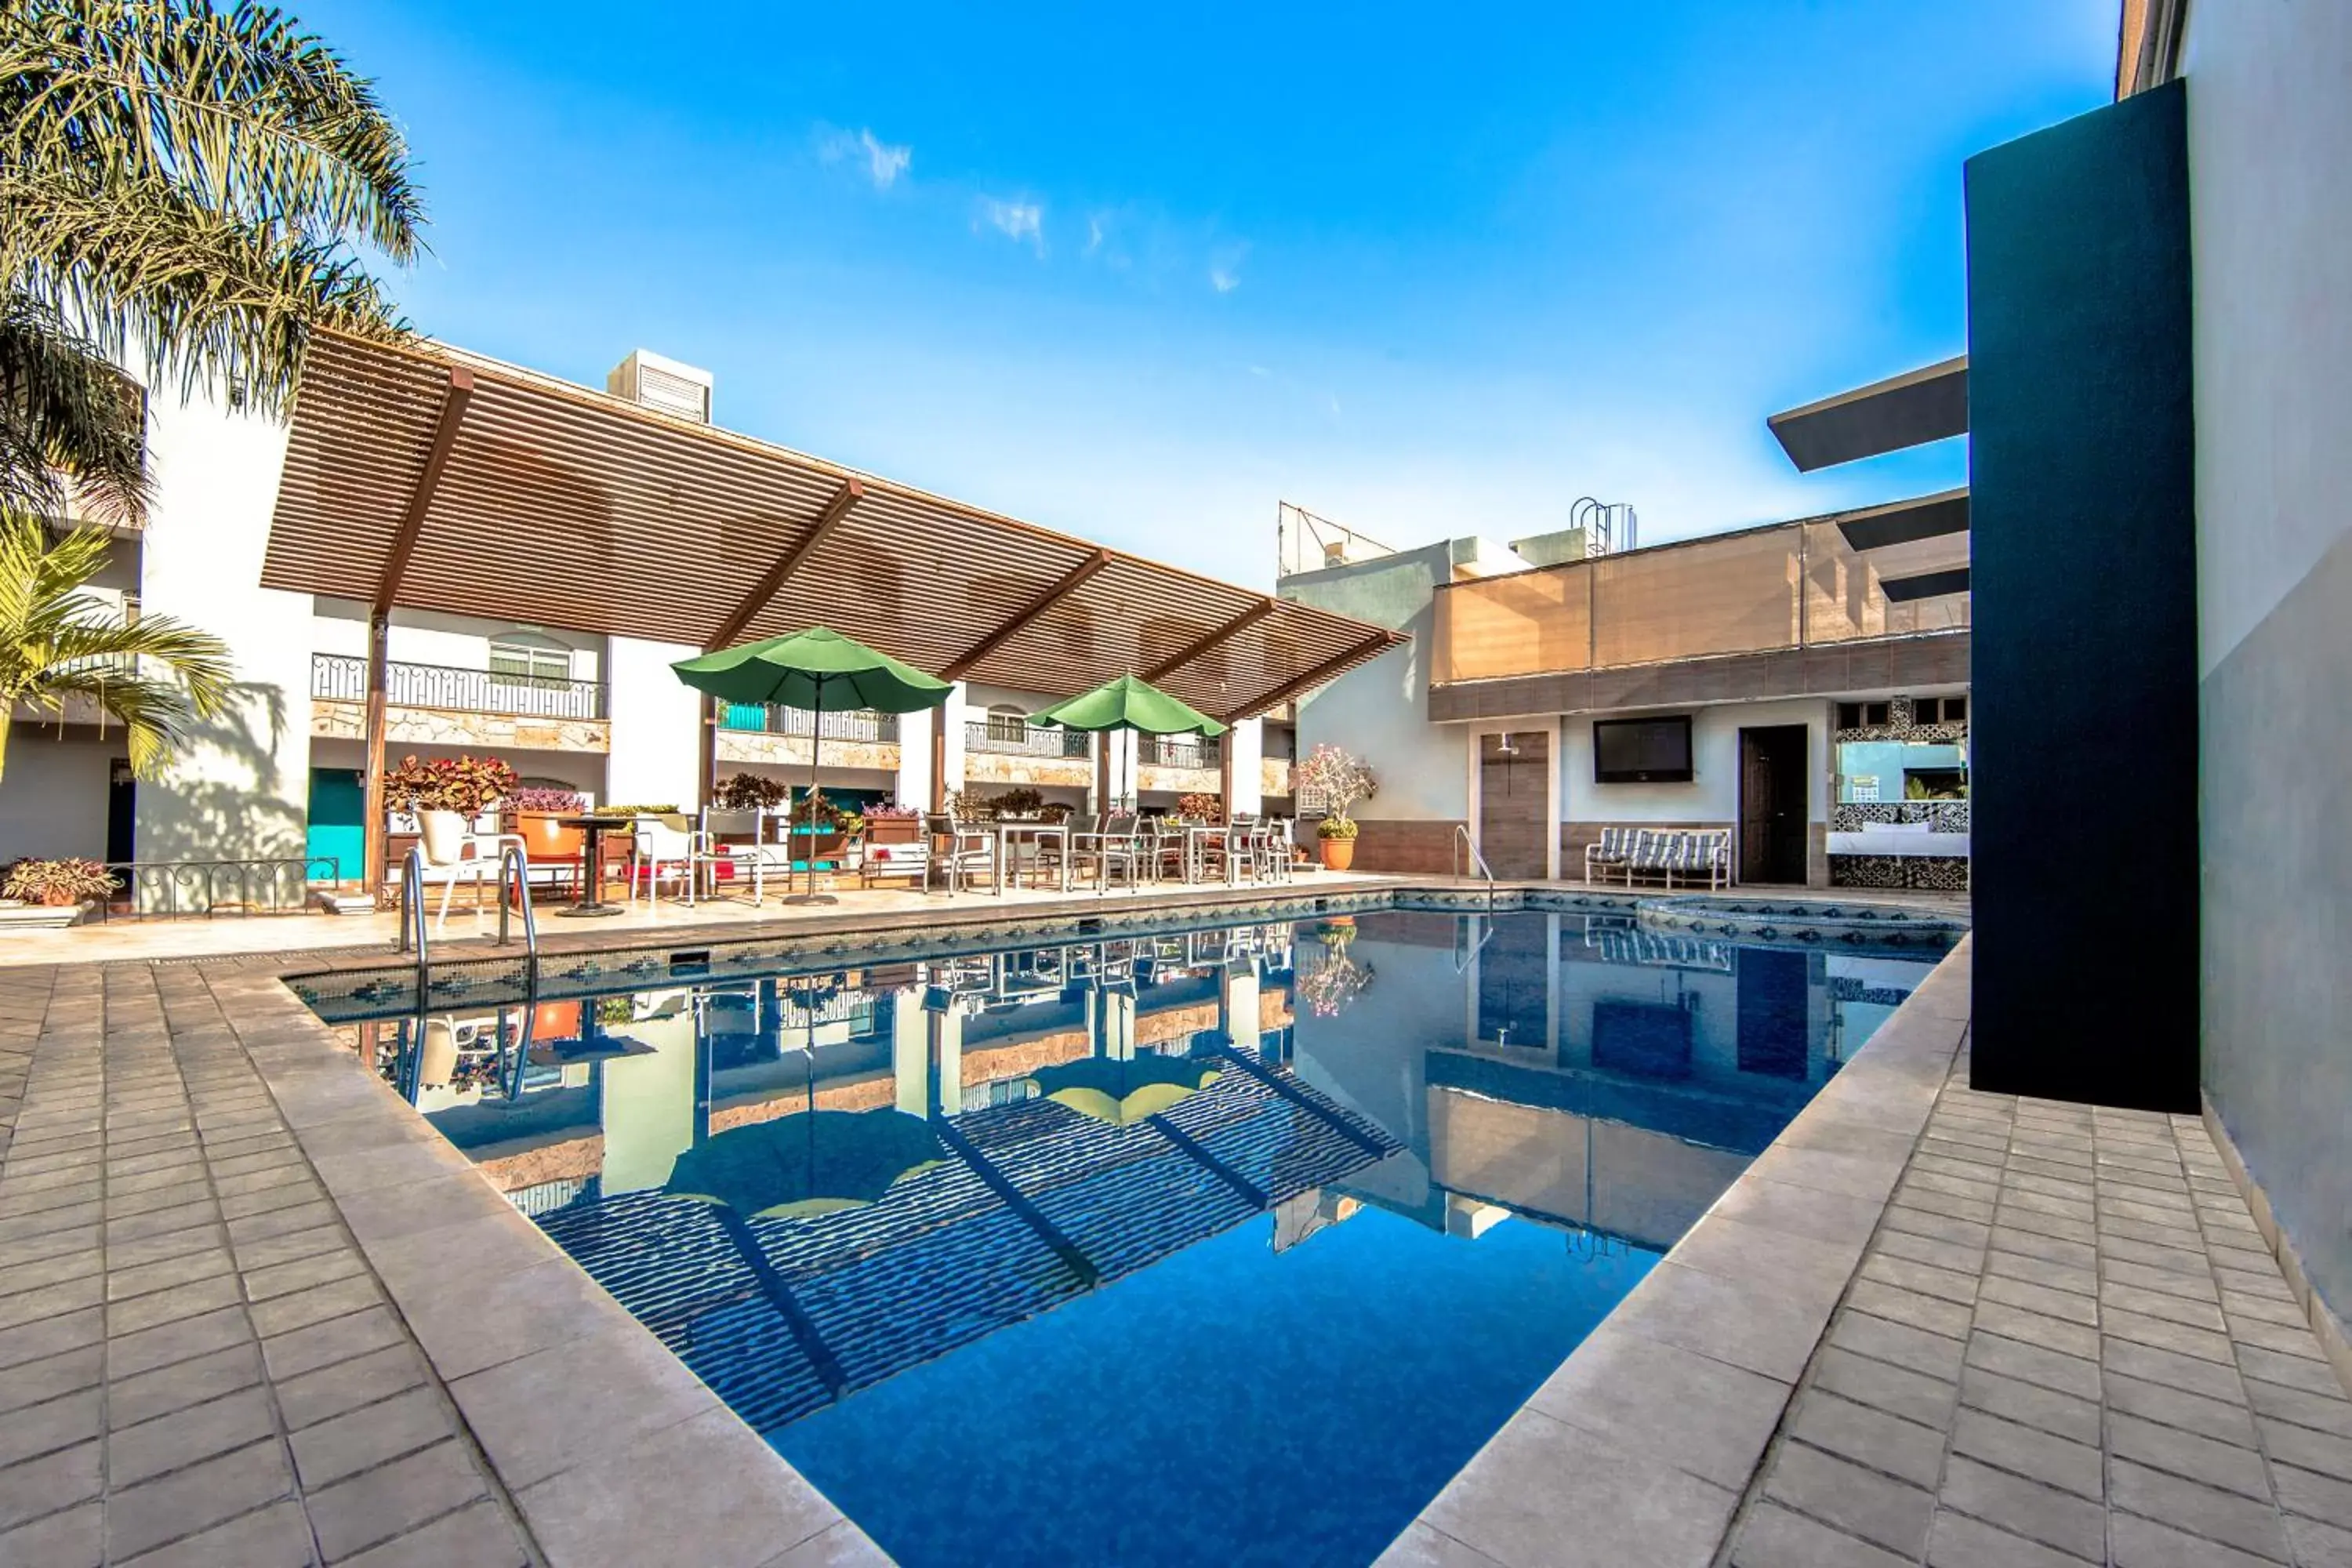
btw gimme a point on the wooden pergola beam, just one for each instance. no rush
(396, 556)
(1315, 677)
(772, 582)
(1023, 619)
(1223, 634)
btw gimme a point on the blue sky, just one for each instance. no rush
(1137, 272)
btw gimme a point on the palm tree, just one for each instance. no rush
(58, 641)
(191, 188)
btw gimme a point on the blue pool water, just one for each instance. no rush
(1211, 1247)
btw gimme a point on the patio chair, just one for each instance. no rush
(960, 848)
(476, 862)
(1117, 845)
(662, 846)
(895, 858)
(1614, 848)
(740, 842)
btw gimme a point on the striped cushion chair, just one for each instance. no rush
(1651, 849)
(1613, 847)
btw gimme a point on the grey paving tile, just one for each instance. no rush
(2295, 1340)
(2040, 1299)
(1878, 1508)
(255, 1254)
(133, 1314)
(2031, 1405)
(338, 1339)
(2030, 1452)
(187, 1268)
(36, 1381)
(177, 1341)
(2035, 1261)
(52, 1481)
(2138, 1542)
(1949, 1284)
(143, 1397)
(1899, 1391)
(2317, 1545)
(2026, 1508)
(541, 1413)
(479, 1536)
(347, 1384)
(2168, 1334)
(1916, 1349)
(69, 1537)
(197, 1432)
(2314, 1496)
(1772, 1536)
(1928, 1249)
(300, 1308)
(2183, 1453)
(1943, 1228)
(1870, 1437)
(276, 1536)
(2068, 1338)
(375, 1434)
(1515, 1502)
(2199, 1509)
(50, 1300)
(186, 1501)
(2315, 1377)
(321, 1268)
(51, 1424)
(392, 1499)
(2300, 1446)
(46, 1337)
(2195, 1285)
(2224, 1420)
(1955, 1541)
(1723, 1319)
(2156, 1364)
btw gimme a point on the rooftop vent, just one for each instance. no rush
(646, 378)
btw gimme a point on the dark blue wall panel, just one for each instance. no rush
(2084, 724)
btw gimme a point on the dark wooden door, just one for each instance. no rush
(1773, 791)
(1513, 808)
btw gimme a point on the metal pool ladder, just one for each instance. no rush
(1463, 841)
(514, 887)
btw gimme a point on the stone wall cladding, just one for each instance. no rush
(333, 721)
(997, 768)
(792, 751)
(1179, 781)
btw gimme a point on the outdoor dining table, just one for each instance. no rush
(591, 831)
(1008, 837)
(1198, 837)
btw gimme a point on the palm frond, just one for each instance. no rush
(265, 120)
(67, 413)
(205, 295)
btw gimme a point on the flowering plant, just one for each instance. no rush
(1341, 780)
(750, 791)
(887, 812)
(1329, 986)
(466, 785)
(534, 798)
(1198, 806)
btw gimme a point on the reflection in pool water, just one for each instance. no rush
(1222, 1246)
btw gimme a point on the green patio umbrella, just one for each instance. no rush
(1132, 704)
(818, 671)
(1122, 1092)
(810, 1162)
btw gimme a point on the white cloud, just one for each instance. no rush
(1016, 220)
(1094, 233)
(884, 161)
(1225, 268)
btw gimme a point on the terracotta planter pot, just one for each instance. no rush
(1338, 854)
(59, 899)
(893, 829)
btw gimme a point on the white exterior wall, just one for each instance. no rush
(456, 642)
(1247, 741)
(656, 719)
(242, 787)
(1381, 713)
(1713, 793)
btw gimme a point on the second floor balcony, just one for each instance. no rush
(1180, 752)
(1014, 737)
(857, 724)
(343, 678)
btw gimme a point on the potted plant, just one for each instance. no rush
(750, 791)
(58, 884)
(1018, 804)
(446, 794)
(1198, 806)
(1341, 780)
(1329, 986)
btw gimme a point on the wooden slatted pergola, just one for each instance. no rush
(421, 476)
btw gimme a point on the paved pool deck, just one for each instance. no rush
(1935, 1326)
(254, 1309)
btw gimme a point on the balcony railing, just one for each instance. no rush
(1011, 739)
(1180, 752)
(343, 678)
(859, 724)
(1791, 586)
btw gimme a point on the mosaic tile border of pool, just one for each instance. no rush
(382, 983)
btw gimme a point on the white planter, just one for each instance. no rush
(17, 915)
(440, 1043)
(445, 834)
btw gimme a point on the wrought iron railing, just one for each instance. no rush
(861, 724)
(1022, 741)
(343, 678)
(167, 890)
(1170, 752)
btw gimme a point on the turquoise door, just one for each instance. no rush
(337, 809)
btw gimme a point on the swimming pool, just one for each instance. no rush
(1226, 1244)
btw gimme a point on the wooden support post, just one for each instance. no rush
(939, 754)
(376, 842)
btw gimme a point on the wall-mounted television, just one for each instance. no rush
(1642, 750)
